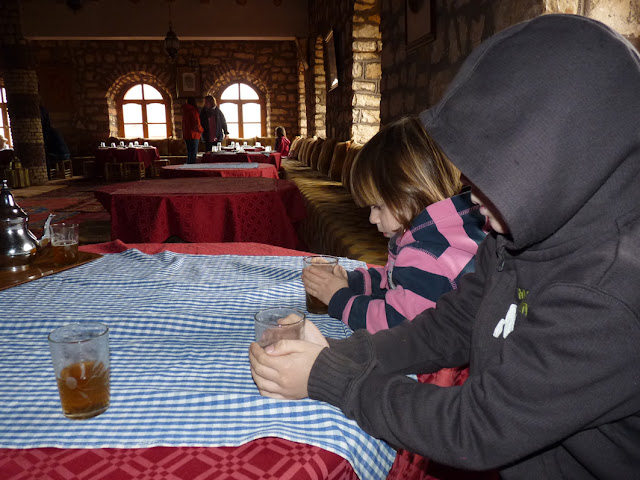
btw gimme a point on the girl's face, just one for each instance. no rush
(386, 222)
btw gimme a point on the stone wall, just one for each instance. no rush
(415, 79)
(353, 107)
(21, 83)
(80, 80)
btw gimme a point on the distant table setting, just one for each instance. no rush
(261, 210)
(272, 157)
(182, 400)
(141, 154)
(230, 169)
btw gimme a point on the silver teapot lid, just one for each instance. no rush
(9, 209)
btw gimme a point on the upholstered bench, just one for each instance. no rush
(335, 225)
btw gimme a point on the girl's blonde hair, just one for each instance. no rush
(403, 168)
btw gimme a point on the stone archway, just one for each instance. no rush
(226, 74)
(121, 84)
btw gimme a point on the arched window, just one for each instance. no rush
(144, 113)
(244, 110)
(5, 124)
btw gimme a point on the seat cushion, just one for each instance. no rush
(307, 148)
(294, 149)
(352, 151)
(315, 153)
(337, 162)
(326, 155)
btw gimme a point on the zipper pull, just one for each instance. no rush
(500, 255)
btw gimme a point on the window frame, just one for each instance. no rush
(239, 103)
(6, 123)
(120, 102)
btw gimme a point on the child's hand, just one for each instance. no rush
(321, 283)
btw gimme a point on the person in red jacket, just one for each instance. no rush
(191, 128)
(282, 142)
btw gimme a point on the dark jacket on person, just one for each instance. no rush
(214, 124)
(543, 119)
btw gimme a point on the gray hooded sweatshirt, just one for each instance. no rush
(544, 119)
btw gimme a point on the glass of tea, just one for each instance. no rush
(80, 355)
(64, 243)
(318, 261)
(274, 324)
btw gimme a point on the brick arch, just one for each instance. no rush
(122, 82)
(225, 74)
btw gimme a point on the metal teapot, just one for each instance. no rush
(18, 246)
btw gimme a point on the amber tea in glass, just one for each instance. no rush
(80, 355)
(318, 261)
(64, 243)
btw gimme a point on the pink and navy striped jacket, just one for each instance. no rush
(424, 262)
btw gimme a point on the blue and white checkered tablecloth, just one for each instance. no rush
(180, 329)
(219, 166)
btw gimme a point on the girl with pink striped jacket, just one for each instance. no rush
(411, 189)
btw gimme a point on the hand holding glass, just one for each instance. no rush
(274, 324)
(315, 305)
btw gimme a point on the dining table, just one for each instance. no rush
(141, 154)
(231, 169)
(208, 209)
(274, 158)
(183, 404)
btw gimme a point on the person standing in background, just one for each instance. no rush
(282, 142)
(213, 122)
(191, 128)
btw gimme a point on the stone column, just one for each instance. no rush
(320, 91)
(367, 71)
(21, 84)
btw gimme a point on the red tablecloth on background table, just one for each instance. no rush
(274, 158)
(144, 155)
(265, 170)
(260, 210)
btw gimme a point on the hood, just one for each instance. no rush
(544, 119)
(187, 107)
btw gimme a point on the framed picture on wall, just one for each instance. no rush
(331, 64)
(188, 82)
(419, 23)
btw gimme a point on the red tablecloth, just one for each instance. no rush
(260, 210)
(265, 170)
(274, 158)
(144, 155)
